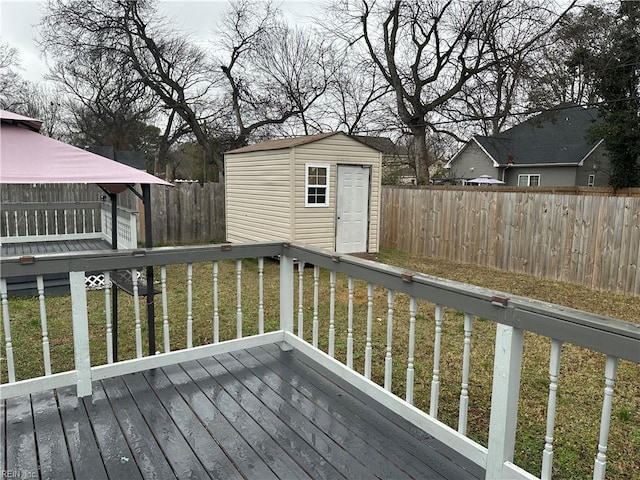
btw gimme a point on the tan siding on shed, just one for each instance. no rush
(258, 191)
(263, 204)
(316, 225)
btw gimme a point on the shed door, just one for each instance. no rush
(352, 208)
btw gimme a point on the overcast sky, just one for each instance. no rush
(18, 19)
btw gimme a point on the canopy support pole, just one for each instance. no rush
(148, 243)
(114, 294)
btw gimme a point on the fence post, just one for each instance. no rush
(286, 293)
(80, 321)
(507, 366)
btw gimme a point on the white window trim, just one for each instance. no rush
(529, 175)
(306, 184)
(592, 180)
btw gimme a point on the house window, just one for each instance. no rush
(592, 180)
(317, 185)
(529, 180)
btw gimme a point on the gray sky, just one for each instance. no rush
(18, 19)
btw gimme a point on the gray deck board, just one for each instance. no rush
(61, 246)
(257, 414)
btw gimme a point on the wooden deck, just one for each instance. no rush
(62, 246)
(259, 413)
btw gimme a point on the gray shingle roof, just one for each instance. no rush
(555, 137)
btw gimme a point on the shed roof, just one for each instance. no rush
(555, 137)
(283, 143)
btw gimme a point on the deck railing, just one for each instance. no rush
(42, 222)
(364, 317)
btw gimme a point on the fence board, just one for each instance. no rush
(577, 235)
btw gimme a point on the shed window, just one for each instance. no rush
(529, 180)
(592, 180)
(317, 185)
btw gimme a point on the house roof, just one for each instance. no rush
(383, 144)
(283, 143)
(553, 138)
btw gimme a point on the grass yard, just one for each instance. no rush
(581, 380)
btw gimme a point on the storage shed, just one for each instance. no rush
(323, 190)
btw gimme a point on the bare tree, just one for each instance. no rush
(274, 73)
(132, 35)
(358, 99)
(428, 51)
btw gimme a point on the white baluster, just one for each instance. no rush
(554, 372)
(435, 382)
(368, 347)
(35, 217)
(55, 219)
(388, 370)
(8, 347)
(15, 219)
(239, 298)
(261, 295)
(351, 285)
(300, 299)
(413, 306)
(136, 308)
(600, 466)
(332, 313)
(108, 315)
(26, 222)
(466, 362)
(316, 286)
(46, 355)
(216, 315)
(46, 222)
(165, 309)
(189, 305)
(66, 221)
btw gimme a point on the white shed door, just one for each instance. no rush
(352, 209)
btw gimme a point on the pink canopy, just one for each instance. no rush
(26, 156)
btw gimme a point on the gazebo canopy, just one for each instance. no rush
(26, 156)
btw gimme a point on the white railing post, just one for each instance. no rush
(466, 361)
(554, 372)
(351, 286)
(388, 360)
(80, 320)
(7, 331)
(507, 366)
(611, 369)
(435, 381)
(316, 286)
(261, 295)
(300, 299)
(286, 293)
(332, 313)
(368, 349)
(413, 307)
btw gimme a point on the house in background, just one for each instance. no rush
(396, 168)
(549, 149)
(322, 189)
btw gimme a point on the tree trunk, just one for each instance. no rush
(423, 157)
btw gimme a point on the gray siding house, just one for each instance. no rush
(549, 149)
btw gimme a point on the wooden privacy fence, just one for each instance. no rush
(188, 213)
(592, 240)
